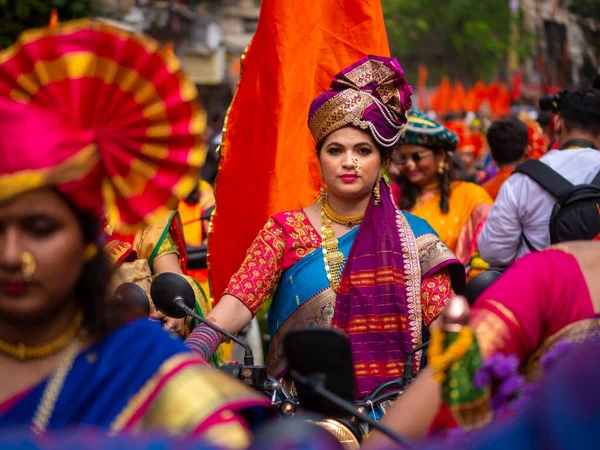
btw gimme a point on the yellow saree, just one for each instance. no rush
(459, 228)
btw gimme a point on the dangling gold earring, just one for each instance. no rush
(441, 168)
(28, 266)
(377, 191)
(322, 195)
(322, 191)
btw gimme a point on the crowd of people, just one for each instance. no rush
(102, 188)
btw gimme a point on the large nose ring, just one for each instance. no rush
(28, 266)
(356, 165)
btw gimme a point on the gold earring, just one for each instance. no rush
(377, 191)
(28, 266)
(322, 191)
(441, 168)
(322, 195)
(90, 251)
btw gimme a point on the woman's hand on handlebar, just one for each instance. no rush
(230, 314)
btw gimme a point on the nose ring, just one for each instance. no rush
(357, 165)
(28, 266)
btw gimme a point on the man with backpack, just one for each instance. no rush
(555, 199)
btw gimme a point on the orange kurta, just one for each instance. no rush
(493, 186)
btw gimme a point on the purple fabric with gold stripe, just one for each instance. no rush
(379, 301)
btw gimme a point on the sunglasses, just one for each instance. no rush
(416, 156)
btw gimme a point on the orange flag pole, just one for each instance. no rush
(268, 162)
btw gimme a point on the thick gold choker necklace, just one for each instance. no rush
(348, 221)
(23, 352)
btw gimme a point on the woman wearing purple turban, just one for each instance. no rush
(350, 260)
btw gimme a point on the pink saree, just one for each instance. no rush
(541, 300)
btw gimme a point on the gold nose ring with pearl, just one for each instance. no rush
(357, 165)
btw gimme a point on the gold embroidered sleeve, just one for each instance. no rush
(260, 272)
(167, 247)
(436, 292)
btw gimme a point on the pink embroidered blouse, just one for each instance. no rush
(289, 236)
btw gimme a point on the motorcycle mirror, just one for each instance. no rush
(166, 288)
(479, 284)
(324, 353)
(129, 302)
(134, 295)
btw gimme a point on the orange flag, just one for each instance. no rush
(501, 106)
(457, 102)
(422, 88)
(268, 162)
(443, 95)
(480, 94)
(470, 100)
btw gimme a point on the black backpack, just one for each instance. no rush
(576, 213)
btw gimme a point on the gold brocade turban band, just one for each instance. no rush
(372, 94)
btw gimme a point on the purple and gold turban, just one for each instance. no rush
(372, 94)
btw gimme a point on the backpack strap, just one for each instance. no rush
(547, 178)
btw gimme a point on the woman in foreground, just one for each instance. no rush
(350, 260)
(76, 142)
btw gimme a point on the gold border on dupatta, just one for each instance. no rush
(412, 273)
(174, 410)
(312, 312)
(142, 395)
(576, 333)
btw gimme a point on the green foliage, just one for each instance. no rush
(20, 15)
(466, 39)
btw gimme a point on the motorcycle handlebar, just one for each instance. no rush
(383, 388)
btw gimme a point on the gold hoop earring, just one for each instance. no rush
(90, 252)
(377, 190)
(28, 266)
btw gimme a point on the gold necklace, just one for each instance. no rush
(333, 258)
(348, 221)
(23, 352)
